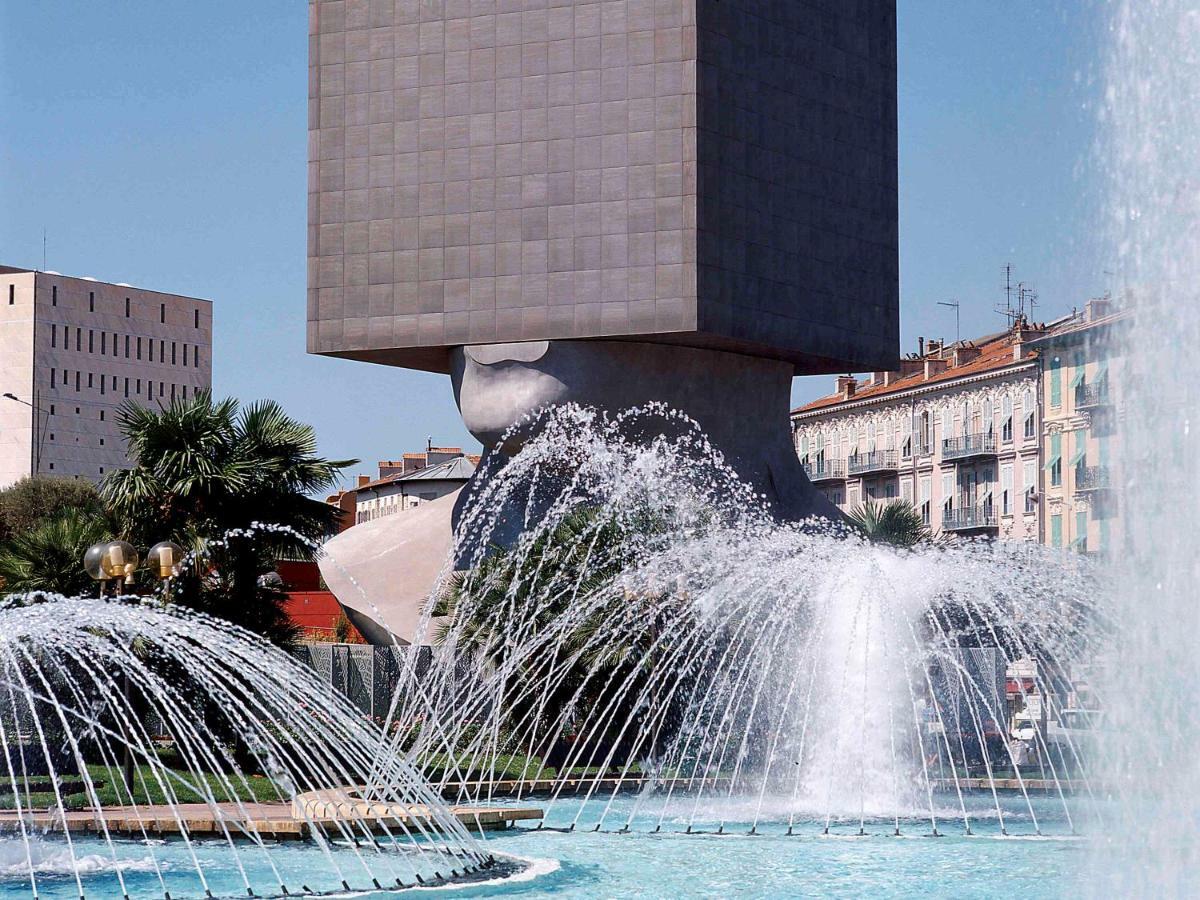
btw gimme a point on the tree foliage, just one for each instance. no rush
(33, 501)
(561, 580)
(203, 468)
(897, 523)
(48, 556)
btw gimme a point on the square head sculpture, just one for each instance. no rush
(715, 174)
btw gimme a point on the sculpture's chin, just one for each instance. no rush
(494, 398)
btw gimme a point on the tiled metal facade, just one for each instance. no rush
(709, 173)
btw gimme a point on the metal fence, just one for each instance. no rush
(366, 674)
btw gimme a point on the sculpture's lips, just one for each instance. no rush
(492, 354)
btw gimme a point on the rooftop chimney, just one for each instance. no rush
(845, 386)
(963, 355)
(363, 479)
(1097, 309)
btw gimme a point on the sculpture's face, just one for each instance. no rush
(496, 384)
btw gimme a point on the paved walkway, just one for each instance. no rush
(269, 820)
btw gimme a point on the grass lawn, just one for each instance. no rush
(109, 783)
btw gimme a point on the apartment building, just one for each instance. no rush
(72, 350)
(1082, 400)
(956, 431)
(413, 479)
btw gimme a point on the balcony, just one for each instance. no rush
(970, 518)
(968, 446)
(875, 462)
(1092, 396)
(826, 470)
(1090, 479)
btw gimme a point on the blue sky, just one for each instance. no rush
(163, 144)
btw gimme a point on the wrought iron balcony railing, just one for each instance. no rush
(826, 470)
(1092, 478)
(1090, 396)
(874, 461)
(970, 518)
(969, 445)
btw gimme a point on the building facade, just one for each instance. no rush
(956, 431)
(72, 350)
(414, 479)
(1082, 380)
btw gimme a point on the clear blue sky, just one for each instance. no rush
(163, 144)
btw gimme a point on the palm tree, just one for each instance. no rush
(202, 468)
(48, 556)
(560, 581)
(897, 523)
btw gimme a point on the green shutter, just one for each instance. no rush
(1080, 446)
(1056, 531)
(1078, 379)
(1081, 530)
(1055, 381)
(1055, 449)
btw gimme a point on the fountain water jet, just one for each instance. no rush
(655, 626)
(1149, 149)
(80, 679)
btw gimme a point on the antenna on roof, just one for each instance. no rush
(954, 304)
(429, 443)
(43, 248)
(1025, 294)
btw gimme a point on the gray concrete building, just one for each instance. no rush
(713, 174)
(72, 350)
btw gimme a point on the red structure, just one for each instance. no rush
(311, 606)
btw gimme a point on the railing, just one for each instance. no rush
(969, 445)
(826, 470)
(1092, 478)
(872, 461)
(1088, 396)
(969, 518)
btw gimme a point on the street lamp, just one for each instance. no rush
(38, 428)
(119, 560)
(164, 560)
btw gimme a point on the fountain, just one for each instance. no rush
(151, 752)
(656, 629)
(1149, 121)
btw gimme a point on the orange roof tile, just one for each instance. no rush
(993, 355)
